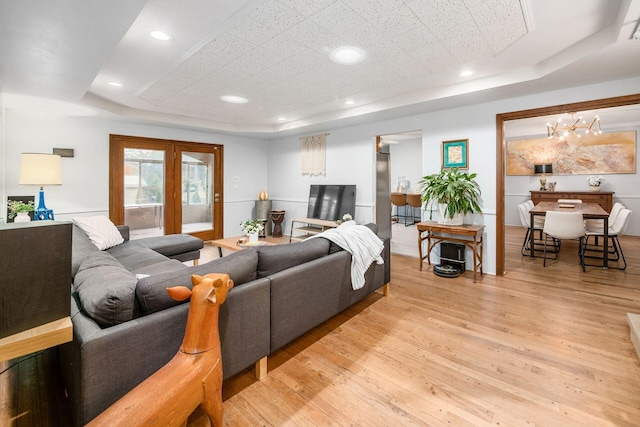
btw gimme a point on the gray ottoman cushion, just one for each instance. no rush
(151, 291)
(106, 289)
(172, 244)
(272, 259)
(135, 257)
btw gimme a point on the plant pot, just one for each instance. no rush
(22, 217)
(444, 219)
(253, 237)
(595, 187)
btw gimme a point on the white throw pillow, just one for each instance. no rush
(100, 230)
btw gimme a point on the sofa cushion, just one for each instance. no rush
(172, 244)
(136, 257)
(100, 230)
(81, 246)
(151, 291)
(106, 289)
(272, 259)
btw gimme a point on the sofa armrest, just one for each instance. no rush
(124, 230)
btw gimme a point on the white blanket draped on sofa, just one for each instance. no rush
(363, 245)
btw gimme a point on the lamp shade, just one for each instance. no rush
(40, 169)
(542, 169)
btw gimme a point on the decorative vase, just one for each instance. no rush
(253, 237)
(22, 217)
(263, 195)
(457, 219)
(595, 187)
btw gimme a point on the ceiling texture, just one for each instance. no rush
(275, 53)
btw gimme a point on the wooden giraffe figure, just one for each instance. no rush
(192, 378)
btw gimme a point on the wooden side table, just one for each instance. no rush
(470, 236)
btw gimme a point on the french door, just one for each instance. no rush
(159, 186)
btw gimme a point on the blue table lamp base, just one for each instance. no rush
(42, 213)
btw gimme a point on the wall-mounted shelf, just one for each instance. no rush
(309, 227)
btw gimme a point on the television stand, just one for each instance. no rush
(309, 227)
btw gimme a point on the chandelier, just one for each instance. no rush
(576, 126)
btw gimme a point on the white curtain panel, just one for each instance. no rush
(314, 154)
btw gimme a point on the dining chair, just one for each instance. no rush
(616, 230)
(563, 226)
(596, 225)
(538, 220)
(399, 200)
(414, 201)
(525, 221)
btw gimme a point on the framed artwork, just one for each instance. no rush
(455, 154)
(25, 199)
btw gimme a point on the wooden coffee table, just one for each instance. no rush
(233, 243)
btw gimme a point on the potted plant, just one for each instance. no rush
(457, 193)
(20, 210)
(595, 182)
(252, 228)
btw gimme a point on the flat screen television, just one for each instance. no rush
(331, 202)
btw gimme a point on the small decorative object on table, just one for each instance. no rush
(346, 217)
(252, 228)
(594, 182)
(277, 216)
(20, 210)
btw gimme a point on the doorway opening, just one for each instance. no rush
(403, 152)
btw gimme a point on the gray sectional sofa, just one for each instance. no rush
(280, 293)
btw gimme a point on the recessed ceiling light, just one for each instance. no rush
(349, 102)
(159, 35)
(466, 73)
(347, 55)
(234, 99)
(282, 119)
(115, 84)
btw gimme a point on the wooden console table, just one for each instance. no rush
(603, 198)
(471, 237)
(309, 227)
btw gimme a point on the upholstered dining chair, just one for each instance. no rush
(414, 201)
(399, 200)
(563, 226)
(616, 230)
(538, 220)
(525, 221)
(595, 225)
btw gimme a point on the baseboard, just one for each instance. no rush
(634, 327)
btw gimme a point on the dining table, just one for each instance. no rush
(588, 210)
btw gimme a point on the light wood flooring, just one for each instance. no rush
(539, 346)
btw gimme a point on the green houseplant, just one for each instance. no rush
(18, 206)
(459, 191)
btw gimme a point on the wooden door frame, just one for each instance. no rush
(172, 222)
(501, 154)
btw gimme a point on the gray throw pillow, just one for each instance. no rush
(106, 289)
(272, 259)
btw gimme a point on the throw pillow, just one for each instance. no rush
(106, 289)
(100, 230)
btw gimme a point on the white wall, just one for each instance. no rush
(85, 177)
(406, 160)
(352, 154)
(350, 157)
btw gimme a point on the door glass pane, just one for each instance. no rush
(144, 192)
(197, 192)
